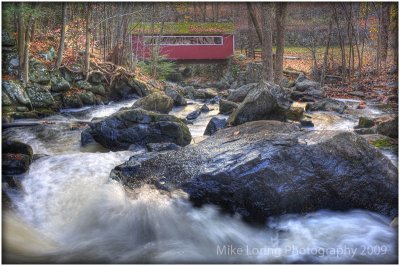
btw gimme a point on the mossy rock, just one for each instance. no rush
(58, 83)
(16, 92)
(38, 73)
(8, 109)
(84, 85)
(40, 96)
(5, 99)
(156, 102)
(72, 99)
(88, 98)
(365, 122)
(98, 89)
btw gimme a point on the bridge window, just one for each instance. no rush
(184, 40)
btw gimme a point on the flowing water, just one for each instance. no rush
(70, 211)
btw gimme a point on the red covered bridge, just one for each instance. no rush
(187, 41)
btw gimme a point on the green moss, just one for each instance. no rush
(382, 143)
(185, 28)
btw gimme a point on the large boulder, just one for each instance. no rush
(267, 168)
(40, 96)
(330, 105)
(386, 125)
(123, 88)
(239, 94)
(156, 102)
(265, 102)
(16, 92)
(138, 126)
(16, 157)
(72, 99)
(204, 94)
(227, 107)
(307, 90)
(179, 100)
(10, 63)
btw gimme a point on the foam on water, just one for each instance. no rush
(70, 211)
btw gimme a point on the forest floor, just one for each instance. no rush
(367, 85)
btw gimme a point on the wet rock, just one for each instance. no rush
(294, 113)
(16, 157)
(157, 147)
(307, 90)
(227, 107)
(156, 102)
(386, 125)
(214, 125)
(179, 100)
(239, 94)
(72, 100)
(265, 102)
(267, 168)
(389, 127)
(40, 96)
(329, 105)
(87, 98)
(138, 126)
(123, 88)
(306, 123)
(193, 115)
(205, 109)
(86, 138)
(365, 122)
(204, 94)
(16, 92)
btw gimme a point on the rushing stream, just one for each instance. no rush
(70, 211)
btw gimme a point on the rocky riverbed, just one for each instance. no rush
(170, 178)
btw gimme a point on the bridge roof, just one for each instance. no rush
(185, 28)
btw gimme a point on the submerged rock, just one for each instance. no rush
(138, 126)
(156, 102)
(265, 102)
(16, 157)
(266, 168)
(193, 115)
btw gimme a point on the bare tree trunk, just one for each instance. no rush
(250, 37)
(26, 47)
(385, 31)
(395, 35)
(267, 57)
(280, 18)
(88, 33)
(253, 17)
(62, 38)
(341, 42)
(328, 42)
(21, 39)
